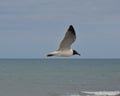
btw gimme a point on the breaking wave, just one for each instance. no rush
(102, 93)
(93, 93)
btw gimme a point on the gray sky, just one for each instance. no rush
(32, 28)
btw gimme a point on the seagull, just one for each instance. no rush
(64, 49)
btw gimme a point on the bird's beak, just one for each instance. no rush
(78, 54)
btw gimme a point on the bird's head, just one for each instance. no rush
(75, 52)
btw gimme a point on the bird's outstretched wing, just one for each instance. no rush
(68, 39)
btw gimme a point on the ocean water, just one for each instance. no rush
(59, 77)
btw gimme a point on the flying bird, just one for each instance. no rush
(64, 49)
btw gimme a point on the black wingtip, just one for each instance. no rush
(71, 25)
(71, 28)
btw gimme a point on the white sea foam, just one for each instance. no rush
(101, 93)
(92, 93)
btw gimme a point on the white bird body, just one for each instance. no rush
(64, 49)
(64, 53)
